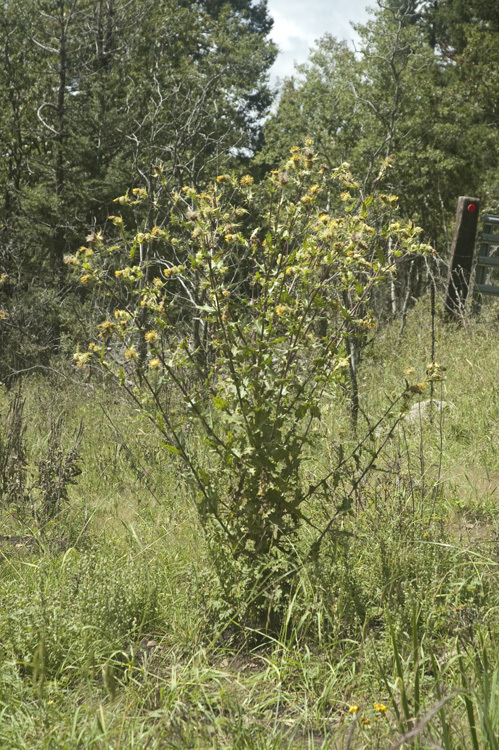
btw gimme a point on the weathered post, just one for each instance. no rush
(462, 252)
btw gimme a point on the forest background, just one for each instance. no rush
(96, 95)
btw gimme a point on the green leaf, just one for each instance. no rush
(219, 403)
(171, 449)
(315, 411)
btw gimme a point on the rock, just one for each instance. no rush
(423, 410)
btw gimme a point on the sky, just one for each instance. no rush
(298, 23)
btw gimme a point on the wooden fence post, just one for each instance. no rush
(462, 253)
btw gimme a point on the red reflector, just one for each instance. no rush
(472, 208)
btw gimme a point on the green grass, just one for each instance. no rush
(114, 633)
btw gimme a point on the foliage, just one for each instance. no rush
(114, 639)
(319, 103)
(122, 618)
(96, 92)
(35, 489)
(407, 98)
(235, 327)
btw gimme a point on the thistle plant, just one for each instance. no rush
(231, 310)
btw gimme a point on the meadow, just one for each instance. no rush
(113, 628)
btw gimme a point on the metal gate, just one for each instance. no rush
(489, 239)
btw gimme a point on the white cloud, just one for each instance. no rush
(286, 31)
(298, 24)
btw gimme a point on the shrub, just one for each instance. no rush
(35, 488)
(230, 321)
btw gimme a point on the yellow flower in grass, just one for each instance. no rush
(122, 315)
(154, 364)
(418, 387)
(81, 359)
(105, 329)
(130, 354)
(151, 336)
(353, 709)
(380, 708)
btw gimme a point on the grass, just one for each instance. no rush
(113, 630)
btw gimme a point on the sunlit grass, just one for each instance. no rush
(114, 632)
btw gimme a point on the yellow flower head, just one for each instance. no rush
(80, 359)
(117, 220)
(353, 709)
(388, 199)
(380, 707)
(105, 329)
(131, 354)
(122, 315)
(246, 180)
(418, 387)
(435, 371)
(151, 336)
(154, 364)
